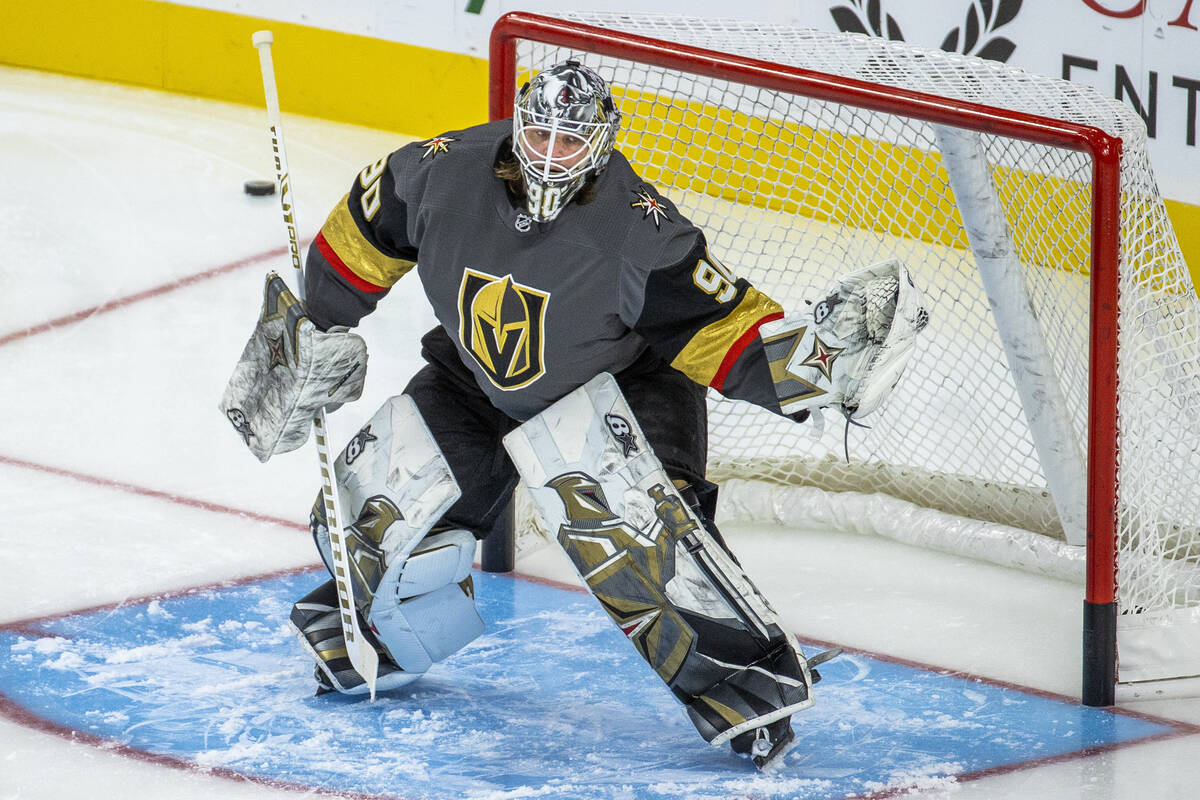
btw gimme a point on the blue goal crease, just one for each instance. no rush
(550, 701)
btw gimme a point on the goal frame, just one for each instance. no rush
(1099, 639)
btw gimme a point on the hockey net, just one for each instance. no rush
(793, 190)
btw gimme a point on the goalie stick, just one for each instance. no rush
(362, 654)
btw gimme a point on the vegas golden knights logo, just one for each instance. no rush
(500, 323)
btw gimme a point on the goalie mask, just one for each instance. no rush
(564, 128)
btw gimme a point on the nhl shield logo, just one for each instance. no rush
(501, 325)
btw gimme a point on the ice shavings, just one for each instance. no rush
(46, 646)
(154, 652)
(925, 778)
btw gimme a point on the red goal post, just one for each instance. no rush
(1104, 151)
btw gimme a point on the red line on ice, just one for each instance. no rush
(122, 302)
(142, 491)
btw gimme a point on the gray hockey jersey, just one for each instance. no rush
(538, 309)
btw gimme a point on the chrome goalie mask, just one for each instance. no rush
(564, 128)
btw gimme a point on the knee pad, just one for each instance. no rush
(425, 610)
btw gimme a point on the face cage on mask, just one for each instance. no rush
(550, 186)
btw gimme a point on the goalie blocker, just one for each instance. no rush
(682, 600)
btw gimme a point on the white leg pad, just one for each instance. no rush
(654, 566)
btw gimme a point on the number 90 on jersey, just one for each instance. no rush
(713, 277)
(543, 201)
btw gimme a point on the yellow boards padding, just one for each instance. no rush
(1185, 218)
(320, 73)
(844, 179)
(874, 185)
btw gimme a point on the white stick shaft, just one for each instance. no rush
(362, 655)
(262, 41)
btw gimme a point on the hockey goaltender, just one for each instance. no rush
(581, 319)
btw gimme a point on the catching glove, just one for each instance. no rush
(850, 349)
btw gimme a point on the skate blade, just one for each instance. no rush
(773, 760)
(822, 657)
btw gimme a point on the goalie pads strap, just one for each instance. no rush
(686, 606)
(287, 372)
(851, 348)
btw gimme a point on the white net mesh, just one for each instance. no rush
(794, 192)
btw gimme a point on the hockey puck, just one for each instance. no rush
(259, 188)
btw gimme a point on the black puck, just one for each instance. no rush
(259, 188)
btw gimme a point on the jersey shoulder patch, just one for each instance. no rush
(435, 167)
(438, 144)
(645, 226)
(441, 151)
(652, 207)
(639, 202)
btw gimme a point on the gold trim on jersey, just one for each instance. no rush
(357, 254)
(701, 358)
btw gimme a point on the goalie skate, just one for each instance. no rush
(767, 745)
(821, 658)
(316, 620)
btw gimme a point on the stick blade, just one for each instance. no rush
(365, 661)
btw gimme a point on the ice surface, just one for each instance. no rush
(121, 481)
